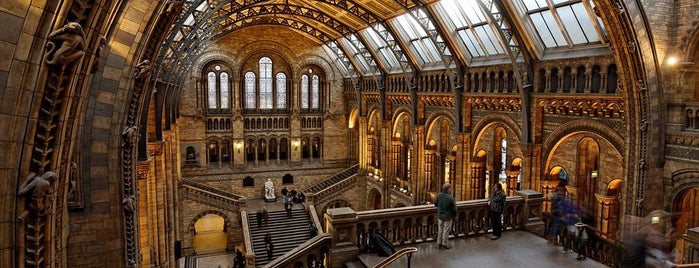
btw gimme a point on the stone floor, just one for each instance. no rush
(513, 249)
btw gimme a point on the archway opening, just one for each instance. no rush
(374, 200)
(209, 234)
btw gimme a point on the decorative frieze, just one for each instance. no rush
(603, 108)
(155, 148)
(503, 104)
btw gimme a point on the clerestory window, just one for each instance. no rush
(218, 89)
(264, 90)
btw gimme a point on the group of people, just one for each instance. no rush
(289, 198)
(446, 212)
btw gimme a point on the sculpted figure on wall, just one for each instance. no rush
(35, 189)
(65, 45)
(130, 136)
(142, 69)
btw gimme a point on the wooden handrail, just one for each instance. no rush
(394, 257)
(687, 265)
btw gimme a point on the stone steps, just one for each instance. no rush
(286, 233)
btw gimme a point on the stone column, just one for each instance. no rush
(477, 180)
(342, 224)
(606, 218)
(362, 150)
(418, 166)
(461, 182)
(156, 195)
(512, 176)
(387, 166)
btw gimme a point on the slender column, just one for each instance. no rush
(363, 154)
(418, 167)
(156, 187)
(512, 181)
(387, 166)
(477, 185)
(463, 143)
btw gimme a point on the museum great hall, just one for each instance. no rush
(142, 133)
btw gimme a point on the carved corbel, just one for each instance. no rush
(65, 45)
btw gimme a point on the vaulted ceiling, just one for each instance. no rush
(378, 37)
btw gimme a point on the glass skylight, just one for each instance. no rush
(470, 24)
(351, 50)
(418, 39)
(386, 56)
(564, 23)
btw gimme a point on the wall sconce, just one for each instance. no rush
(296, 145)
(238, 145)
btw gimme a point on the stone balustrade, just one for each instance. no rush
(416, 224)
(213, 196)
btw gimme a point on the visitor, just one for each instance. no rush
(446, 212)
(496, 204)
(313, 230)
(258, 216)
(557, 203)
(239, 261)
(265, 215)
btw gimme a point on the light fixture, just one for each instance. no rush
(238, 145)
(296, 145)
(672, 60)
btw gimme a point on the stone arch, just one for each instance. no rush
(228, 225)
(352, 119)
(247, 51)
(682, 180)
(431, 121)
(374, 198)
(506, 120)
(215, 55)
(582, 125)
(310, 59)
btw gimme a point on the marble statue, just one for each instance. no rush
(269, 191)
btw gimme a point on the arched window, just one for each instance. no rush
(249, 90)
(212, 90)
(217, 88)
(304, 91)
(225, 100)
(315, 95)
(281, 91)
(265, 83)
(269, 93)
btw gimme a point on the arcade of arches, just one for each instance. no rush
(120, 116)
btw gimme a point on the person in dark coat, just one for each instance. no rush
(287, 207)
(270, 247)
(265, 215)
(239, 261)
(259, 216)
(497, 206)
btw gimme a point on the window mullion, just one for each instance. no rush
(561, 27)
(593, 19)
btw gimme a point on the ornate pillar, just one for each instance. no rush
(156, 195)
(387, 166)
(512, 176)
(418, 165)
(606, 218)
(461, 182)
(477, 180)
(363, 154)
(143, 177)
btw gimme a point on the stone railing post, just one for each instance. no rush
(691, 246)
(342, 225)
(531, 216)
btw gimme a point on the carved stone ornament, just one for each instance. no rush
(155, 148)
(130, 136)
(129, 204)
(35, 189)
(142, 69)
(65, 45)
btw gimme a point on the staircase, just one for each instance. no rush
(333, 180)
(287, 233)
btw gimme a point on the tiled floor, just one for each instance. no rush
(513, 249)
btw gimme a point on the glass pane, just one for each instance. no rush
(224, 91)
(487, 37)
(265, 83)
(250, 90)
(473, 12)
(315, 89)
(454, 13)
(534, 4)
(471, 43)
(212, 90)
(281, 91)
(544, 31)
(304, 91)
(570, 23)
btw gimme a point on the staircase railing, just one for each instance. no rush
(332, 190)
(351, 171)
(311, 253)
(247, 240)
(213, 196)
(395, 256)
